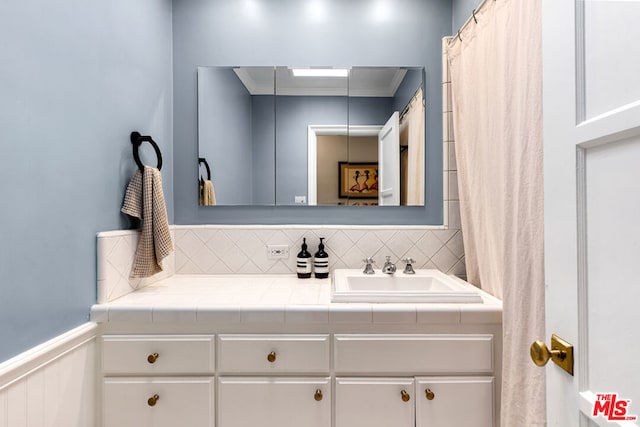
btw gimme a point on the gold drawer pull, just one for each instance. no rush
(271, 357)
(430, 395)
(405, 396)
(153, 357)
(152, 400)
(318, 395)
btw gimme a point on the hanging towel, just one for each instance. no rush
(144, 200)
(207, 193)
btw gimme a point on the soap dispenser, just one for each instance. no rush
(321, 262)
(304, 262)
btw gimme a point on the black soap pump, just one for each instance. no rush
(304, 262)
(321, 262)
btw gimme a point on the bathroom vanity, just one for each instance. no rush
(272, 350)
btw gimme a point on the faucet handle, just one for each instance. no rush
(408, 269)
(368, 269)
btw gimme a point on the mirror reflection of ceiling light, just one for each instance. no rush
(320, 72)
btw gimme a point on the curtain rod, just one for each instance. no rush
(472, 18)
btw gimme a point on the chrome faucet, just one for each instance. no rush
(408, 269)
(368, 269)
(389, 267)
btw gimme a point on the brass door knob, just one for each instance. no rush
(405, 396)
(561, 353)
(152, 358)
(429, 394)
(152, 400)
(540, 353)
(271, 357)
(318, 395)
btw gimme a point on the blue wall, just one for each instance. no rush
(462, 10)
(264, 150)
(76, 77)
(292, 32)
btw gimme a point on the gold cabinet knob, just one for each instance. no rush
(271, 357)
(152, 400)
(540, 353)
(405, 396)
(152, 358)
(429, 394)
(318, 395)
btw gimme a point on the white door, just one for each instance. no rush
(591, 108)
(389, 162)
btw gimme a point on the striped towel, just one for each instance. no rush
(144, 199)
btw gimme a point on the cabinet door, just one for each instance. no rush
(454, 401)
(158, 402)
(375, 402)
(274, 402)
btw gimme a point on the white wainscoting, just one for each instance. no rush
(53, 384)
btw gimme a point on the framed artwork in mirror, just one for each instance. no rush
(358, 180)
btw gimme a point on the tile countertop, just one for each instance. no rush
(276, 299)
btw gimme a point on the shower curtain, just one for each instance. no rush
(496, 80)
(415, 158)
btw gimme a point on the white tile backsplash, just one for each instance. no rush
(116, 250)
(223, 249)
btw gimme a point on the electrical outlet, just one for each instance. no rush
(277, 251)
(300, 200)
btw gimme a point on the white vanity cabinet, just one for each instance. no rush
(158, 380)
(281, 374)
(459, 390)
(274, 380)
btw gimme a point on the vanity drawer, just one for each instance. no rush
(413, 354)
(158, 402)
(157, 354)
(273, 354)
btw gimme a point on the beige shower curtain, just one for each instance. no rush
(415, 167)
(496, 79)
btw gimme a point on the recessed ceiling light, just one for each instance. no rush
(320, 72)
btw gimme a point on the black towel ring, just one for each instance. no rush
(206, 165)
(137, 140)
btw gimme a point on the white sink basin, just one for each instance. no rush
(424, 286)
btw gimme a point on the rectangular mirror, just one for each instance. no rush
(311, 136)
